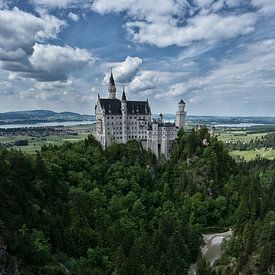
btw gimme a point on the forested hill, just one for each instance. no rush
(36, 116)
(78, 209)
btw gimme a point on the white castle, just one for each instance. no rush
(118, 121)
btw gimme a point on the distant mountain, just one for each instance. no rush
(36, 116)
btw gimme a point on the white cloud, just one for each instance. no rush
(3, 4)
(21, 54)
(56, 3)
(125, 71)
(53, 85)
(212, 27)
(234, 3)
(49, 62)
(74, 17)
(6, 88)
(20, 30)
(267, 7)
(138, 8)
(146, 80)
(248, 72)
(160, 22)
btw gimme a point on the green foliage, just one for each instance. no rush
(80, 209)
(76, 207)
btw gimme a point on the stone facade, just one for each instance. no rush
(118, 121)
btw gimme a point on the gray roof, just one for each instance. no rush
(138, 107)
(113, 106)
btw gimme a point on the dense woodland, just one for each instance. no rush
(79, 209)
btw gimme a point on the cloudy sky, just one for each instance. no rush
(218, 55)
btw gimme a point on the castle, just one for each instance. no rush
(118, 121)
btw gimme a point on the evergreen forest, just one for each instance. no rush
(79, 209)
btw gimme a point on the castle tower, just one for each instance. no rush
(160, 118)
(180, 115)
(124, 117)
(156, 148)
(212, 131)
(112, 87)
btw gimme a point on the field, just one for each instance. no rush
(234, 134)
(252, 154)
(228, 135)
(231, 136)
(35, 143)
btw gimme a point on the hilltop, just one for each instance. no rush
(36, 116)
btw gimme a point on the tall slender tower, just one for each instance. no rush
(180, 115)
(124, 117)
(112, 87)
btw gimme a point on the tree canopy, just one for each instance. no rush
(79, 209)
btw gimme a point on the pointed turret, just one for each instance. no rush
(124, 117)
(160, 118)
(123, 98)
(111, 80)
(112, 87)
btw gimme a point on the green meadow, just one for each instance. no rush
(228, 135)
(35, 143)
(234, 135)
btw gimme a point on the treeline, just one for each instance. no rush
(267, 141)
(79, 209)
(251, 250)
(38, 131)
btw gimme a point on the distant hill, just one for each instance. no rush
(223, 119)
(36, 116)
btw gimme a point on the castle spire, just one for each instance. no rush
(112, 87)
(111, 80)
(123, 95)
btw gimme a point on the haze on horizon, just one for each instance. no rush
(218, 55)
